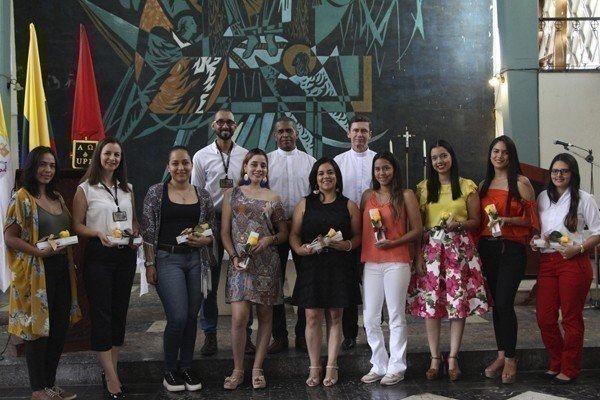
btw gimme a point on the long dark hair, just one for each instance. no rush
(94, 171)
(254, 152)
(396, 192)
(312, 177)
(28, 176)
(514, 170)
(433, 178)
(571, 217)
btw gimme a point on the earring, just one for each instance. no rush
(316, 191)
(264, 183)
(245, 180)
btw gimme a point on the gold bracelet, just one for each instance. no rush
(581, 249)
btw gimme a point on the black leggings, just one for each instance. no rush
(504, 264)
(43, 354)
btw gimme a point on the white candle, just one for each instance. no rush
(391, 147)
(424, 149)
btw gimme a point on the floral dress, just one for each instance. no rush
(453, 285)
(261, 282)
(28, 313)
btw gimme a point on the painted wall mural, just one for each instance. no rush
(165, 66)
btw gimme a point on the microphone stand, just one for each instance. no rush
(589, 158)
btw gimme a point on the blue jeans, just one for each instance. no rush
(209, 312)
(179, 289)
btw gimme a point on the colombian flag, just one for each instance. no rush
(37, 130)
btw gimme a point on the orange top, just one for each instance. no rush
(393, 230)
(518, 208)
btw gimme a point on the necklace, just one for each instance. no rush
(182, 194)
(382, 198)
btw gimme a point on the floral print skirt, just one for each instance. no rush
(453, 285)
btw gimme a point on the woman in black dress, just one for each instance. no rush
(325, 283)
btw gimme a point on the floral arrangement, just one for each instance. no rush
(124, 237)
(377, 224)
(558, 239)
(245, 255)
(440, 229)
(494, 218)
(198, 230)
(323, 241)
(63, 238)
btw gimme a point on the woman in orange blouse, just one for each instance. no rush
(504, 258)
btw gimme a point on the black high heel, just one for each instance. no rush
(103, 377)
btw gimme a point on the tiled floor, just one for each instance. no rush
(529, 387)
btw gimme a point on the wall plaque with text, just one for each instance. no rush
(82, 153)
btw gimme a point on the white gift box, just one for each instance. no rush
(68, 241)
(124, 241)
(184, 238)
(496, 230)
(439, 236)
(317, 244)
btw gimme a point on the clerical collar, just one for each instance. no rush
(357, 154)
(286, 153)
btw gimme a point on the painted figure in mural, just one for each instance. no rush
(387, 265)
(565, 273)
(355, 165)
(43, 290)
(253, 223)
(289, 173)
(325, 284)
(104, 206)
(216, 168)
(181, 272)
(504, 257)
(448, 282)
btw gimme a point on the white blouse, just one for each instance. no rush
(552, 216)
(101, 205)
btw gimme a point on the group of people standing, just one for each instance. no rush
(436, 256)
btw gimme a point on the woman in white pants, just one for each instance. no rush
(385, 252)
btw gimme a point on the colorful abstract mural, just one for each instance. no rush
(313, 61)
(165, 66)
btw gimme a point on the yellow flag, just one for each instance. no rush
(37, 130)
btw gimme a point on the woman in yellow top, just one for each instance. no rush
(43, 291)
(449, 282)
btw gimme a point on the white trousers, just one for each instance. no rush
(387, 281)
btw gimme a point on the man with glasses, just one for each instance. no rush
(356, 165)
(216, 168)
(288, 176)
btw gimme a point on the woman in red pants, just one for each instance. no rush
(565, 271)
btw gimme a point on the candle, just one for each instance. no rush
(424, 149)
(391, 147)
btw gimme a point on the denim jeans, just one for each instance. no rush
(179, 289)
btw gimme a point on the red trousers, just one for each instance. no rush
(563, 284)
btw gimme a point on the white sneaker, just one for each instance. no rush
(391, 379)
(371, 377)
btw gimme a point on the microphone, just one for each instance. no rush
(561, 143)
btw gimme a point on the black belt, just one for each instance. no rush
(175, 249)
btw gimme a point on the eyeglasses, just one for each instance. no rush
(560, 171)
(221, 122)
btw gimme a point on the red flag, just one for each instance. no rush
(87, 119)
